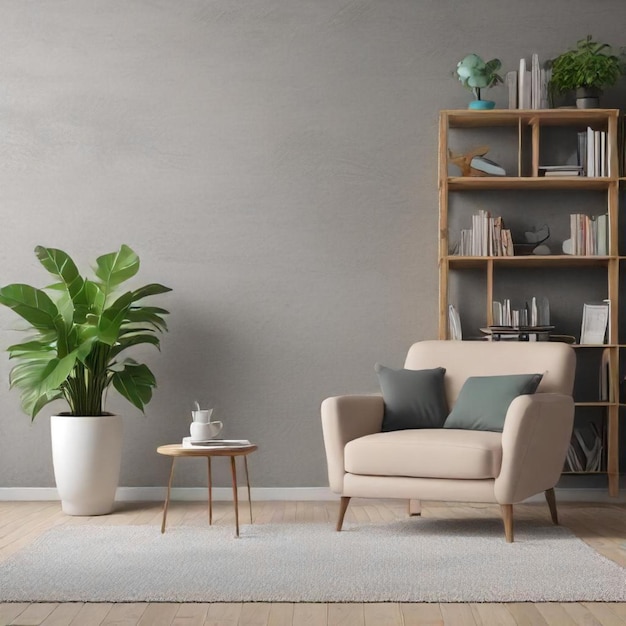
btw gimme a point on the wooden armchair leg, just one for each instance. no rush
(343, 507)
(551, 500)
(507, 518)
(415, 507)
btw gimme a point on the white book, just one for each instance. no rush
(591, 153)
(602, 153)
(511, 85)
(524, 85)
(496, 313)
(602, 225)
(535, 72)
(215, 443)
(544, 80)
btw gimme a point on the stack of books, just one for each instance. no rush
(528, 88)
(486, 237)
(589, 234)
(561, 170)
(594, 152)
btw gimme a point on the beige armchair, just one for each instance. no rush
(448, 464)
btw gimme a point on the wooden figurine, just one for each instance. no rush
(464, 161)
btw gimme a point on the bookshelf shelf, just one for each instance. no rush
(571, 183)
(557, 260)
(522, 141)
(465, 118)
(595, 403)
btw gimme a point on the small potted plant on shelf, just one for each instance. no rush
(80, 329)
(586, 69)
(476, 74)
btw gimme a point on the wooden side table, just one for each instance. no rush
(177, 450)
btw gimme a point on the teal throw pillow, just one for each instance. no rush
(413, 398)
(484, 400)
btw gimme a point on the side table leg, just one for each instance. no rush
(245, 461)
(167, 498)
(233, 470)
(210, 492)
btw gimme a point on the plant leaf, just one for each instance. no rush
(111, 320)
(34, 305)
(33, 402)
(135, 382)
(32, 345)
(30, 371)
(152, 289)
(56, 372)
(147, 315)
(60, 264)
(95, 298)
(116, 267)
(133, 340)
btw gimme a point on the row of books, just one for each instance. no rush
(528, 87)
(593, 152)
(486, 237)
(535, 313)
(593, 157)
(589, 234)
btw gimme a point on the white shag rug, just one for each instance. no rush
(414, 560)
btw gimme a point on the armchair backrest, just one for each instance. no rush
(462, 359)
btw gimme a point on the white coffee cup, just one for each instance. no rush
(203, 416)
(201, 431)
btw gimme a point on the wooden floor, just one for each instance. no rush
(603, 526)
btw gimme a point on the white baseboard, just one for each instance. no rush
(154, 494)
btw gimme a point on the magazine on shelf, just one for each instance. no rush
(595, 322)
(454, 323)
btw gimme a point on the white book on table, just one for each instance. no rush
(215, 443)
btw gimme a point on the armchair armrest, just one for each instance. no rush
(536, 436)
(345, 418)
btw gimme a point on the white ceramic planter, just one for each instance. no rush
(86, 453)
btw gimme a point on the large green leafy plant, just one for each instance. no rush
(79, 329)
(590, 65)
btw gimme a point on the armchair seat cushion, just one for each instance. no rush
(427, 453)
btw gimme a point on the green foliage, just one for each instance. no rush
(590, 65)
(79, 332)
(476, 74)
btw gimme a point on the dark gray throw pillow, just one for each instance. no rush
(484, 400)
(413, 398)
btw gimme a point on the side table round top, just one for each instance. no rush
(177, 449)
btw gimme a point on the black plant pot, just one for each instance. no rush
(587, 98)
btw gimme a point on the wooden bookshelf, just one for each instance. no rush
(527, 132)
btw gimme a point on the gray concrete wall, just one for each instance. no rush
(274, 161)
